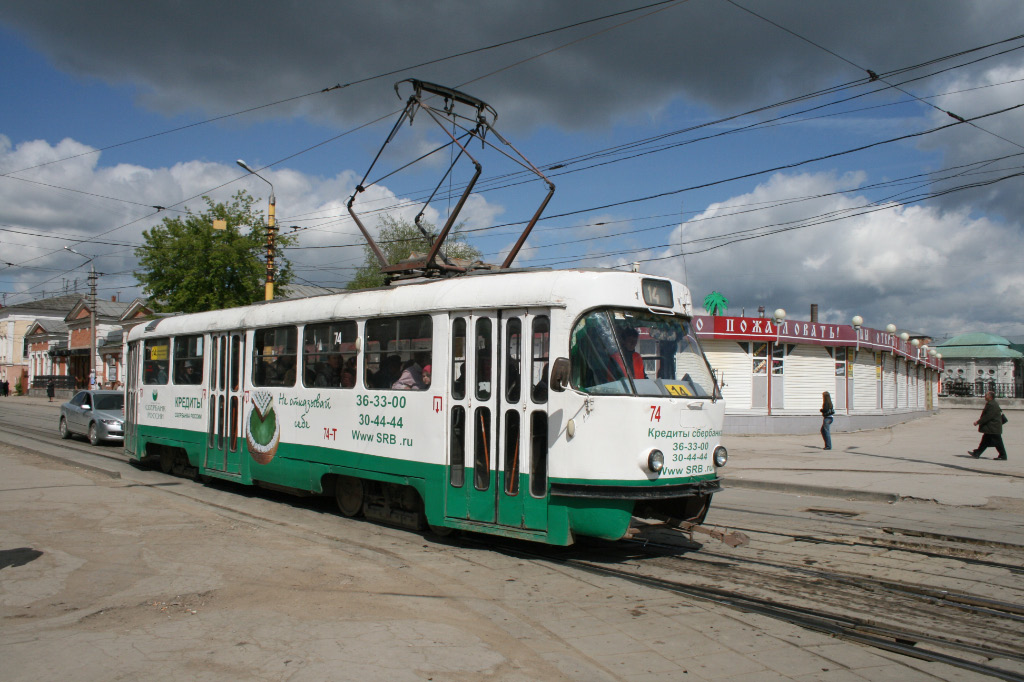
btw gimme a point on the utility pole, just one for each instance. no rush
(93, 368)
(271, 232)
(92, 315)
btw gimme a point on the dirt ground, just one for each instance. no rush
(105, 579)
(151, 577)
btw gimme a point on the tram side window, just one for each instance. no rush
(457, 454)
(513, 366)
(329, 355)
(481, 449)
(512, 449)
(539, 454)
(459, 358)
(274, 356)
(540, 353)
(156, 358)
(483, 358)
(188, 360)
(398, 353)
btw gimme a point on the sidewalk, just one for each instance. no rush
(925, 459)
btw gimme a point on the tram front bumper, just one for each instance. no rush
(627, 492)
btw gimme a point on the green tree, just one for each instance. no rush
(715, 303)
(187, 266)
(400, 238)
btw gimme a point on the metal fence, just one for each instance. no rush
(958, 388)
(60, 381)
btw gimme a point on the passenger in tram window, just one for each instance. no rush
(284, 370)
(188, 374)
(634, 362)
(348, 378)
(264, 373)
(389, 372)
(329, 373)
(310, 373)
(427, 376)
(412, 374)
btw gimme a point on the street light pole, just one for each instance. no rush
(271, 231)
(93, 378)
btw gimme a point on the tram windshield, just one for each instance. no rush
(632, 352)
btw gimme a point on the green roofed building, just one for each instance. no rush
(978, 362)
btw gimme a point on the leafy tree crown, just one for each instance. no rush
(187, 266)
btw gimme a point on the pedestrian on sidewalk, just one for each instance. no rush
(49, 390)
(990, 424)
(827, 411)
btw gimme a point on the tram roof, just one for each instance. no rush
(523, 288)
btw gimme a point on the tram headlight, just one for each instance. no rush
(721, 456)
(656, 461)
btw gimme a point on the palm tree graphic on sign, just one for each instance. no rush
(715, 303)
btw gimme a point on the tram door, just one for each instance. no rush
(492, 416)
(224, 431)
(523, 432)
(472, 467)
(131, 401)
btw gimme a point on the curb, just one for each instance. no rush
(812, 490)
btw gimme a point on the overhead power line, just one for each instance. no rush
(340, 86)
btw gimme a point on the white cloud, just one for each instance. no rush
(38, 220)
(920, 267)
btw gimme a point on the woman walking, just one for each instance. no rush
(826, 419)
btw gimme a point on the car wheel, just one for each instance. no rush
(65, 432)
(94, 436)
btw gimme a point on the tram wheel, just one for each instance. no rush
(166, 461)
(348, 493)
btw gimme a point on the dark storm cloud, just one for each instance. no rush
(221, 57)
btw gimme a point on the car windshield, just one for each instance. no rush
(109, 402)
(631, 352)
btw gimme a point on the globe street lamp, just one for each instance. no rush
(271, 230)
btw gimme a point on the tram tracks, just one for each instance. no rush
(848, 533)
(901, 640)
(923, 620)
(647, 564)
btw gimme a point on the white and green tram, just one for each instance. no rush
(544, 405)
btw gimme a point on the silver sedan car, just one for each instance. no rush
(96, 414)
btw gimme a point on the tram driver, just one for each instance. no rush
(633, 363)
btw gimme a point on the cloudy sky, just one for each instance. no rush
(741, 147)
